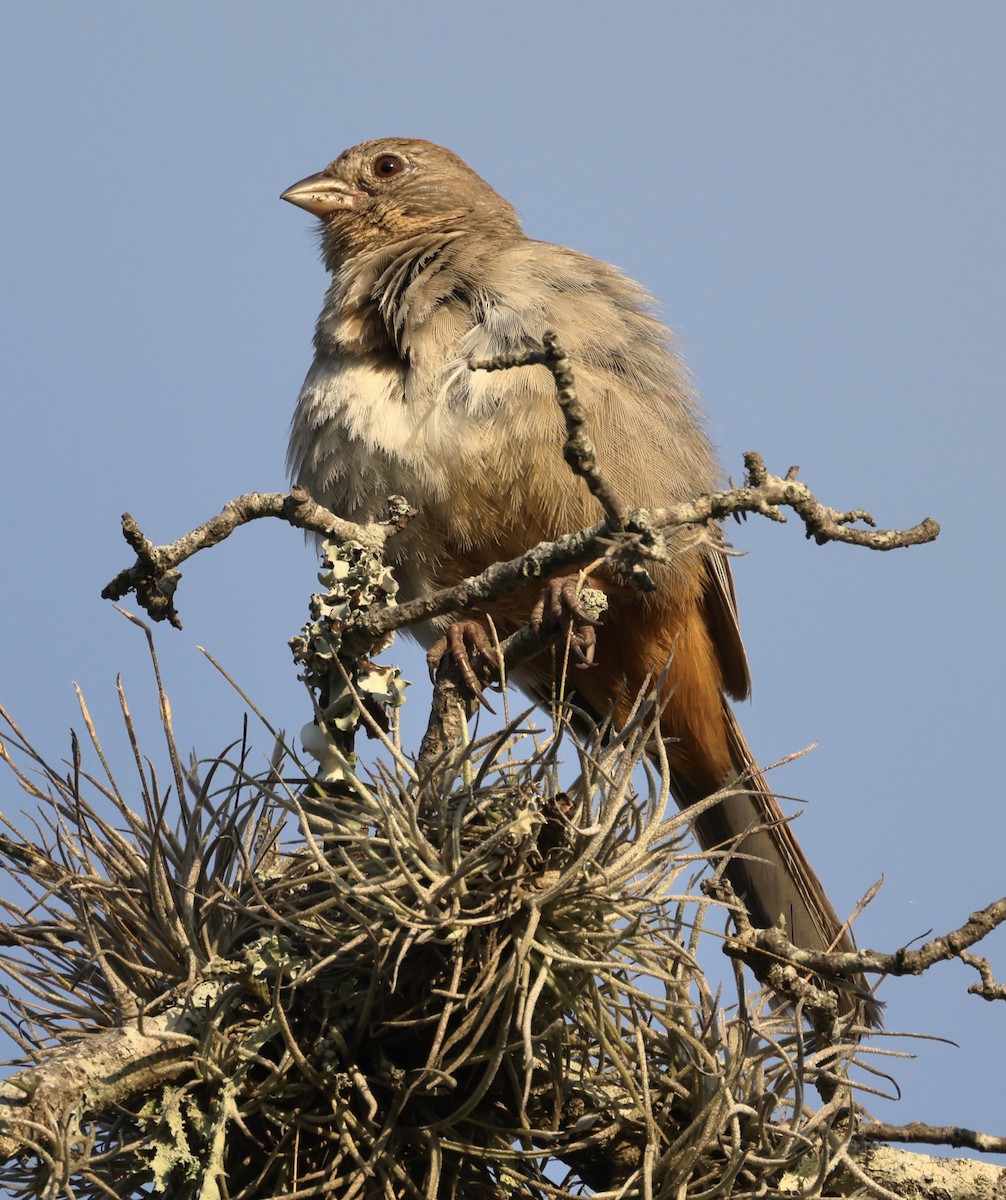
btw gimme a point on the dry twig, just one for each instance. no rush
(628, 536)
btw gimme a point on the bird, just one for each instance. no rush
(431, 271)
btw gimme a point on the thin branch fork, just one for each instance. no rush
(763, 493)
(154, 576)
(769, 494)
(631, 536)
(751, 941)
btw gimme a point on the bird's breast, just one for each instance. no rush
(367, 427)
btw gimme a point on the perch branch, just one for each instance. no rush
(154, 576)
(453, 704)
(750, 942)
(630, 536)
(932, 1135)
(766, 497)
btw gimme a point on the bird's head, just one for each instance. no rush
(393, 188)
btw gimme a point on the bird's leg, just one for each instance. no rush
(559, 609)
(469, 647)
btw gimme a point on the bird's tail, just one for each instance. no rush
(766, 866)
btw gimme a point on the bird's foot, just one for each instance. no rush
(469, 647)
(559, 611)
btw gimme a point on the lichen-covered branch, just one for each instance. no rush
(154, 576)
(48, 1105)
(871, 962)
(884, 1172)
(632, 537)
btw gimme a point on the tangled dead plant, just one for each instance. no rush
(480, 982)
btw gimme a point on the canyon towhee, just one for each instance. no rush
(430, 271)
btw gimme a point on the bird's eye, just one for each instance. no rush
(386, 165)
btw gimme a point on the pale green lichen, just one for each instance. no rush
(356, 579)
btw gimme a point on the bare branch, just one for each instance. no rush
(628, 536)
(154, 576)
(988, 989)
(825, 524)
(752, 942)
(579, 452)
(453, 706)
(550, 558)
(933, 1135)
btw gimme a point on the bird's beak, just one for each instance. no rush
(321, 195)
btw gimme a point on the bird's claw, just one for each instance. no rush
(559, 609)
(468, 646)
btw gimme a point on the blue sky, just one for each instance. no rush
(813, 192)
